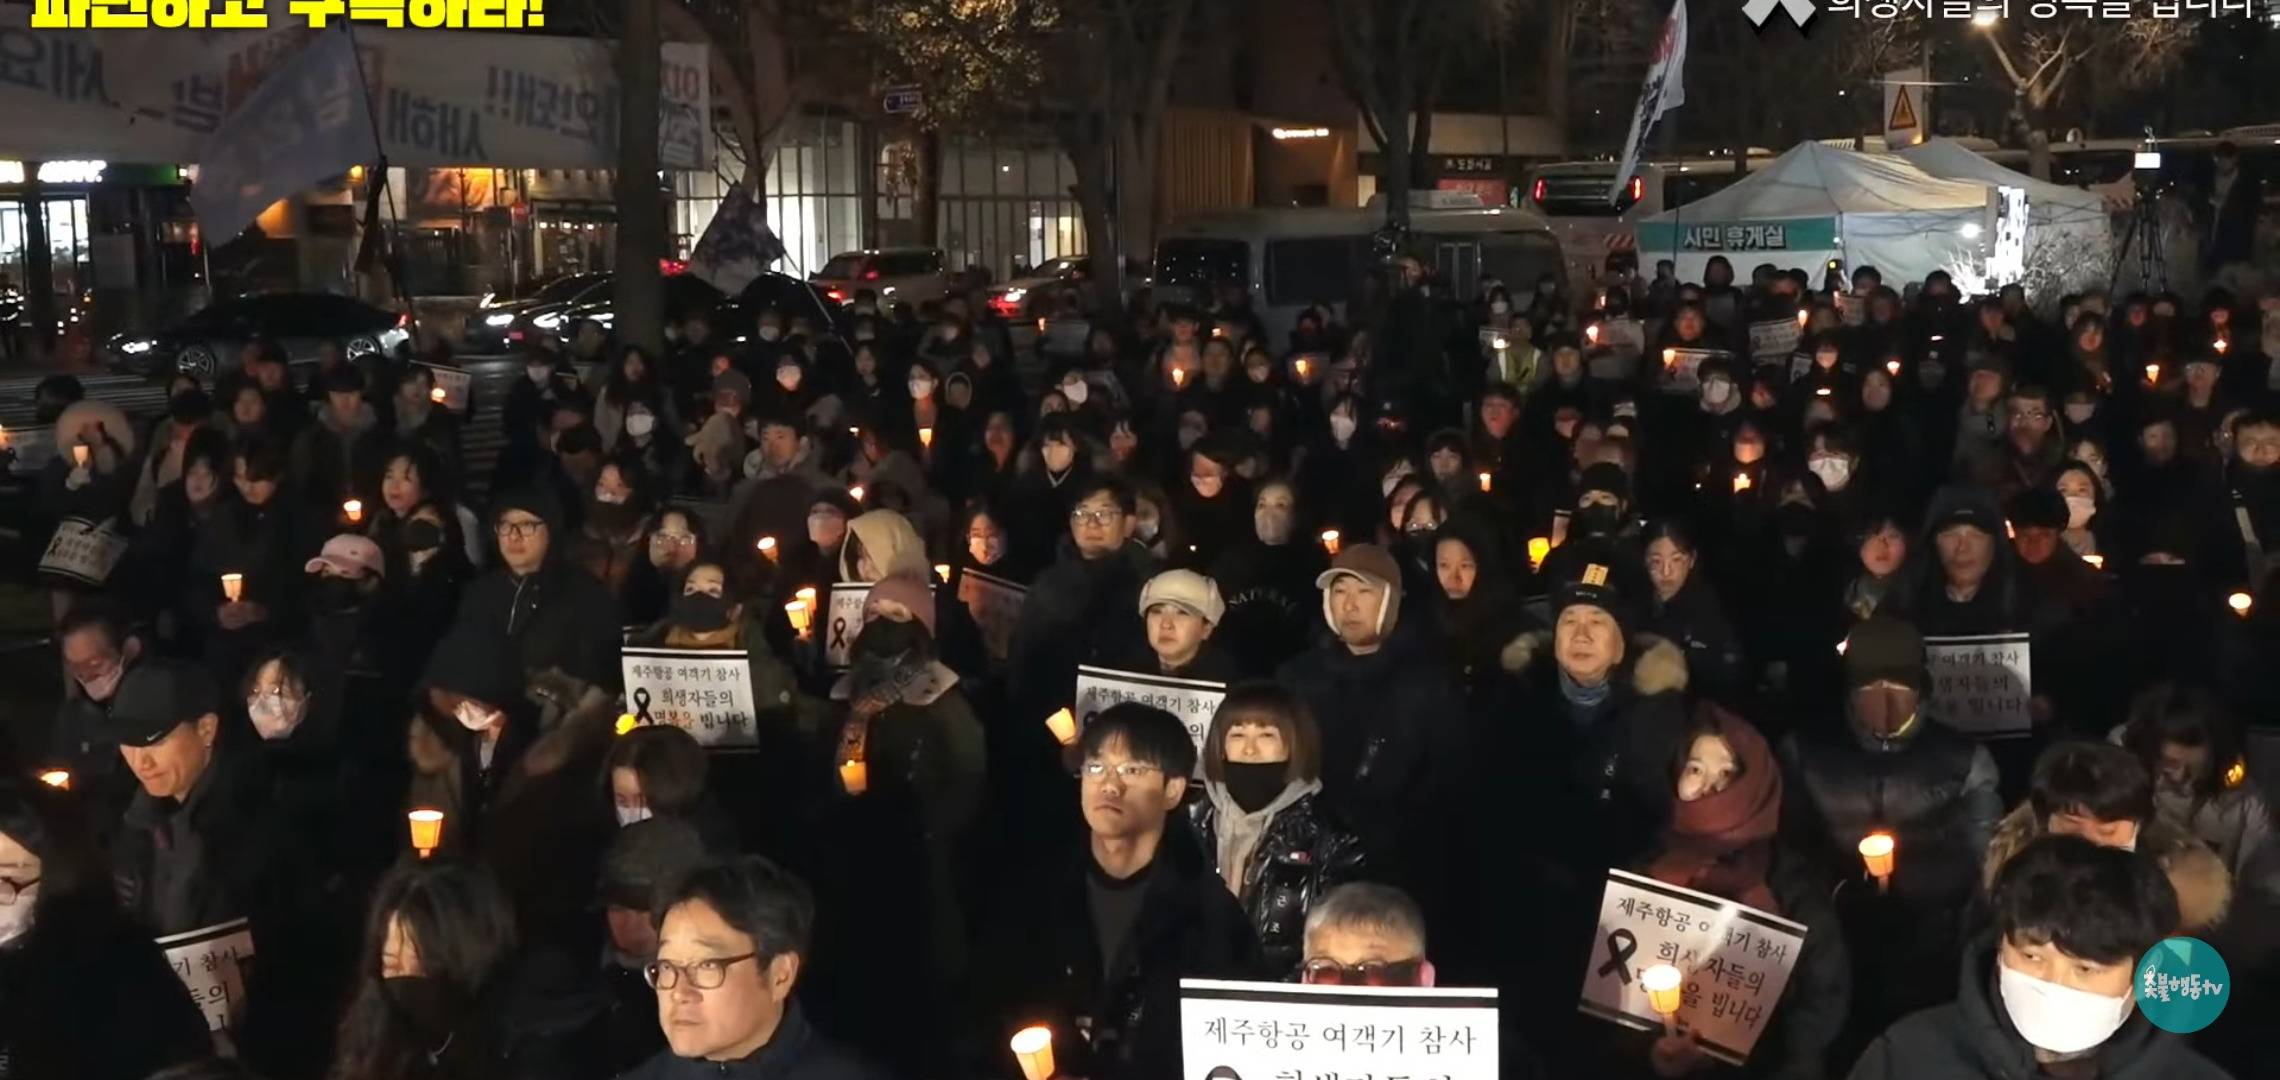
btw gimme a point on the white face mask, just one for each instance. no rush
(1147, 530)
(2081, 414)
(2079, 510)
(632, 815)
(753, 463)
(272, 719)
(1500, 307)
(538, 372)
(986, 550)
(2059, 1019)
(474, 717)
(608, 498)
(17, 917)
(921, 387)
(1341, 427)
(1273, 524)
(771, 333)
(1076, 390)
(1835, 472)
(639, 425)
(788, 377)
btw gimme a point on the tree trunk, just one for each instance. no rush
(1095, 194)
(639, 288)
(2038, 153)
(926, 205)
(1394, 171)
(1555, 63)
(1136, 164)
(1422, 175)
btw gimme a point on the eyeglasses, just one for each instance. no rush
(278, 695)
(10, 889)
(674, 539)
(1367, 973)
(703, 975)
(520, 530)
(1126, 771)
(1095, 517)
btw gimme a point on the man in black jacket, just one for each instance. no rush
(1084, 608)
(557, 616)
(1123, 924)
(2051, 994)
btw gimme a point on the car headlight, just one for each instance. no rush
(136, 346)
(393, 336)
(501, 319)
(1013, 296)
(548, 321)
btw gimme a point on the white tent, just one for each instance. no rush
(2070, 236)
(1816, 203)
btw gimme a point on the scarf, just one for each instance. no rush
(1587, 698)
(1722, 843)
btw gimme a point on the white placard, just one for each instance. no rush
(1981, 685)
(34, 446)
(1773, 339)
(842, 620)
(1276, 1031)
(211, 964)
(996, 606)
(1682, 368)
(1193, 701)
(84, 551)
(705, 692)
(1736, 961)
(457, 384)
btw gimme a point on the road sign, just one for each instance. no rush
(903, 100)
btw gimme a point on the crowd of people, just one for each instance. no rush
(1502, 593)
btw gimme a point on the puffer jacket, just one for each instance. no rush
(2203, 885)
(1935, 792)
(1302, 854)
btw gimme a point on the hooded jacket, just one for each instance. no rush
(2204, 886)
(333, 458)
(891, 542)
(1973, 1037)
(1300, 854)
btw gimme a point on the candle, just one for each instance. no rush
(796, 613)
(1063, 725)
(1538, 547)
(855, 777)
(1301, 365)
(2153, 373)
(1661, 983)
(926, 438)
(437, 395)
(2097, 562)
(427, 830)
(767, 546)
(1802, 315)
(1179, 377)
(1876, 852)
(353, 510)
(1591, 333)
(855, 493)
(56, 778)
(806, 597)
(2238, 773)
(3, 436)
(2010, 531)
(1033, 1047)
(1330, 541)
(942, 570)
(79, 456)
(1670, 358)
(626, 722)
(1485, 481)
(1892, 367)
(1499, 344)
(233, 586)
(1822, 391)
(2220, 345)
(1741, 482)
(2240, 602)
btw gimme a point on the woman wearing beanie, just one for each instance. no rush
(1261, 822)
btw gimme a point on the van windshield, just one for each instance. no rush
(1196, 261)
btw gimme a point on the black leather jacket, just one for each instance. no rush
(1301, 855)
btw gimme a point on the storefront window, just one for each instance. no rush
(810, 193)
(1006, 206)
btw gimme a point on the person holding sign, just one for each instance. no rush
(88, 993)
(1263, 828)
(2051, 995)
(1100, 945)
(2099, 792)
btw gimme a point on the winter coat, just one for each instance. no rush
(1935, 792)
(1973, 1037)
(797, 1051)
(1694, 620)
(1272, 604)
(559, 617)
(86, 994)
(1188, 926)
(209, 859)
(333, 460)
(1301, 854)
(2203, 885)
(270, 545)
(1079, 611)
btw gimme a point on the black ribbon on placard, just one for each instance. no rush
(641, 705)
(839, 634)
(1621, 945)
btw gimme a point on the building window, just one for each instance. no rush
(1006, 206)
(810, 192)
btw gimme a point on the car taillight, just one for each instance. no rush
(1638, 188)
(837, 296)
(515, 335)
(670, 267)
(871, 275)
(1538, 192)
(404, 321)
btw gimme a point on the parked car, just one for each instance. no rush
(1018, 299)
(685, 294)
(899, 275)
(488, 328)
(206, 343)
(785, 293)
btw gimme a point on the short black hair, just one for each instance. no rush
(2259, 417)
(264, 457)
(2098, 903)
(1110, 485)
(1149, 734)
(760, 899)
(2094, 778)
(100, 612)
(2188, 716)
(668, 761)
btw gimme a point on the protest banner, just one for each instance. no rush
(83, 551)
(211, 963)
(996, 607)
(1682, 368)
(843, 619)
(705, 692)
(1271, 1031)
(33, 447)
(1193, 701)
(1773, 340)
(457, 384)
(1735, 961)
(1980, 685)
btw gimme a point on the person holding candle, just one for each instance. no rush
(267, 536)
(339, 455)
(98, 644)
(2051, 993)
(1212, 503)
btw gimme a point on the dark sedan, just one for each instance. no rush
(207, 343)
(492, 327)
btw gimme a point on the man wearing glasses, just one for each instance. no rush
(1365, 934)
(1137, 914)
(1085, 607)
(556, 616)
(730, 944)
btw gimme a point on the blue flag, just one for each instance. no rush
(308, 121)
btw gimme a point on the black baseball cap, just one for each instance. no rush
(157, 696)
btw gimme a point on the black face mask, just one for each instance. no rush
(424, 1004)
(1795, 519)
(612, 518)
(700, 612)
(421, 535)
(331, 595)
(1598, 520)
(1255, 785)
(888, 639)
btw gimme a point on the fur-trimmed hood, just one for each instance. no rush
(1653, 664)
(2204, 886)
